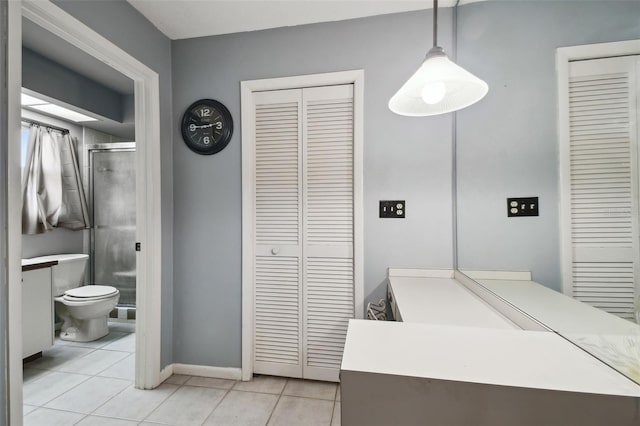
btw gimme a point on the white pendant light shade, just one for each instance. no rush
(439, 86)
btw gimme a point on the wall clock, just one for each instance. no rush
(207, 126)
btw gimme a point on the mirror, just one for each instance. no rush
(508, 146)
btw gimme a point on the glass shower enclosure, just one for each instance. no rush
(112, 199)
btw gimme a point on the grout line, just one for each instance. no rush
(216, 406)
(277, 402)
(116, 394)
(301, 397)
(81, 419)
(161, 402)
(57, 409)
(68, 390)
(333, 410)
(254, 391)
(111, 365)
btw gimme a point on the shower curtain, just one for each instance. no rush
(52, 194)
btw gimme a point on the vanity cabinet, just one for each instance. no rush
(458, 359)
(37, 311)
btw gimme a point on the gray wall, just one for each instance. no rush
(404, 158)
(59, 240)
(123, 25)
(508, 146)
(49, 78)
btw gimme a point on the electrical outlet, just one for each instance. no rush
(527, 206)
(390, 209)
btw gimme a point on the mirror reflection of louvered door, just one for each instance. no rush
(603, 183)
(304, 281)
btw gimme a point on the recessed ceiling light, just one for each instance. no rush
(27, 100)
(62, 112)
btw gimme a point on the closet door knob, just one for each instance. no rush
(275, 250)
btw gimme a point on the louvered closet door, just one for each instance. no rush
(304, 280)
(278, 234)
(604, 183)
(328, 227)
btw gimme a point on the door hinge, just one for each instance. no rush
(137, 246)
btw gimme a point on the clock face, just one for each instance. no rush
(207, 126)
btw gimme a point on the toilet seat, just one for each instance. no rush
(89, 293)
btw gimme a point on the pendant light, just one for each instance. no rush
(439, 86)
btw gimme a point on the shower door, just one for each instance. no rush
(113, 209)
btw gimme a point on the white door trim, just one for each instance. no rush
(13, 275)
(563, 56)
(148, 197)
(247, 88)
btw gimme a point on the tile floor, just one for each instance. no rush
(91, 384)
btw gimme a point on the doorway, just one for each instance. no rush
(148, 207)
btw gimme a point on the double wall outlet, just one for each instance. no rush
(389, 209)
(527, 206)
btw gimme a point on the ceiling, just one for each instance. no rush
(41, 41)
(179, 19)
(57, 50)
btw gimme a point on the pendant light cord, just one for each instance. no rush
(435, 23)
(454, 30)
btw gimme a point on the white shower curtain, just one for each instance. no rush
(52, 194)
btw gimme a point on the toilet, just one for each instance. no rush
(84, 309)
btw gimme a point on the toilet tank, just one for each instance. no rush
(68, 273)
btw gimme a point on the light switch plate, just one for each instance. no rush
(527, 206)
(393, 209)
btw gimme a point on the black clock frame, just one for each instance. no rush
(227, 127)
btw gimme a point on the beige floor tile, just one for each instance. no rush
(26, 409)
(57, 356)
(338, 394)
(125, 344)
(123, 369)
(177, 379)
(302, 411)
(39, 392)
(104, 421)
(93, 363)
(48, 417)
(263, 384)
(31, 374)
(189, 405)
(126, 327)
(89, 395)
(243, 409)
(310, 389)
(96, 344)
(335, 420)
(135, 404)
(210, 382)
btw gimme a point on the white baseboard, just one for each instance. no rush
(166, 372)
(207, 371)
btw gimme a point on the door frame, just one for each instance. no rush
(564, 55)
(247, 88)
(148, 197)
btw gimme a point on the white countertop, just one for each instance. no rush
(443, 301)
(557, 311)
(530, 359)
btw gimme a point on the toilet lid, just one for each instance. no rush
(91, 291)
